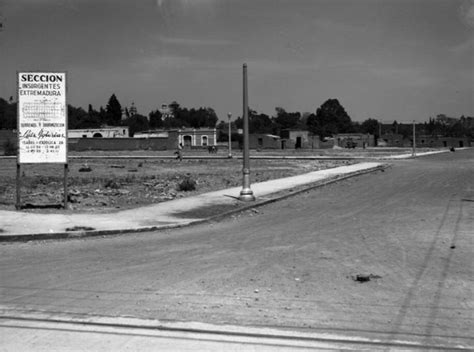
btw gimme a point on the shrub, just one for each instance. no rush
(111, 184)
(187, 184)
(9, 147)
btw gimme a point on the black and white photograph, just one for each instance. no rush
(236, 175)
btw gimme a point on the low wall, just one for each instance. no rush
(82, 144)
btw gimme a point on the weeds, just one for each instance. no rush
(111, 184)
(9, 147)
(188, 184)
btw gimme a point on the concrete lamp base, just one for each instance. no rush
(246, 195)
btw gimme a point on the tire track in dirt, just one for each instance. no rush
(448, 227)
(435, 307)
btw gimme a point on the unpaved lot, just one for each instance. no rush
(107, 181)
(108, 184)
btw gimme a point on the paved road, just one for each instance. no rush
(292, 264)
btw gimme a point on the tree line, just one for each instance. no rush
(114, 115)
(329, 119)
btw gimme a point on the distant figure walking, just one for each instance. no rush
(212, 149)
(179, 152)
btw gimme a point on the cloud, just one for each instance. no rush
(332, 25)
(465, 47)
(156, 63)
(194, 42)
(161, 3)
(466, 13)
(412, 77)
(178, 7)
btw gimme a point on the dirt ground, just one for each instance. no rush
(293, 264)
(107, 181)
(109, 184)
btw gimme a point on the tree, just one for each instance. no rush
(370, 126)
(8, 114)
(114, 111)
(302, 123)
(395, 127)
(78, 118)
(286, 120)
(195, 118)
(330, 118)
(93, 119)
(204, 117)
(75, 116)
(259, 123)
(136, 123)
(174, 106)
(155, 119)
(102, 116)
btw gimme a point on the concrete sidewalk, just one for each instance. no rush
(24, 226)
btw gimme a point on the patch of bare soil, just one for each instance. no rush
(107, 184)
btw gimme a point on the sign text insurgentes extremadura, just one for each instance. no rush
(42, 117)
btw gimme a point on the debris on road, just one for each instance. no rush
(362, 278)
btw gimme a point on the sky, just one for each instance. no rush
(390, 60)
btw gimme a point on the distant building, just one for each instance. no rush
(440, 141)
(197, 137)
(422, 141)
(296, 139)
(393, 140)
(129, 112)
(354, 140)
(133, 110)
(263, 141)
(105, 132)
(188, 137)
(166, 111)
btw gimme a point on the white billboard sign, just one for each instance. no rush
(42, 117)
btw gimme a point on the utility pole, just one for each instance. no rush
(414, 140)
(246, 194)
(229, 115)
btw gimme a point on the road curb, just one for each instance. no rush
(280, 195)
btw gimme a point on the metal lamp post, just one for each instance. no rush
(414, 140)
(246, 194)
(229, 115)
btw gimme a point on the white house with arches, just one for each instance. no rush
(197, 137)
